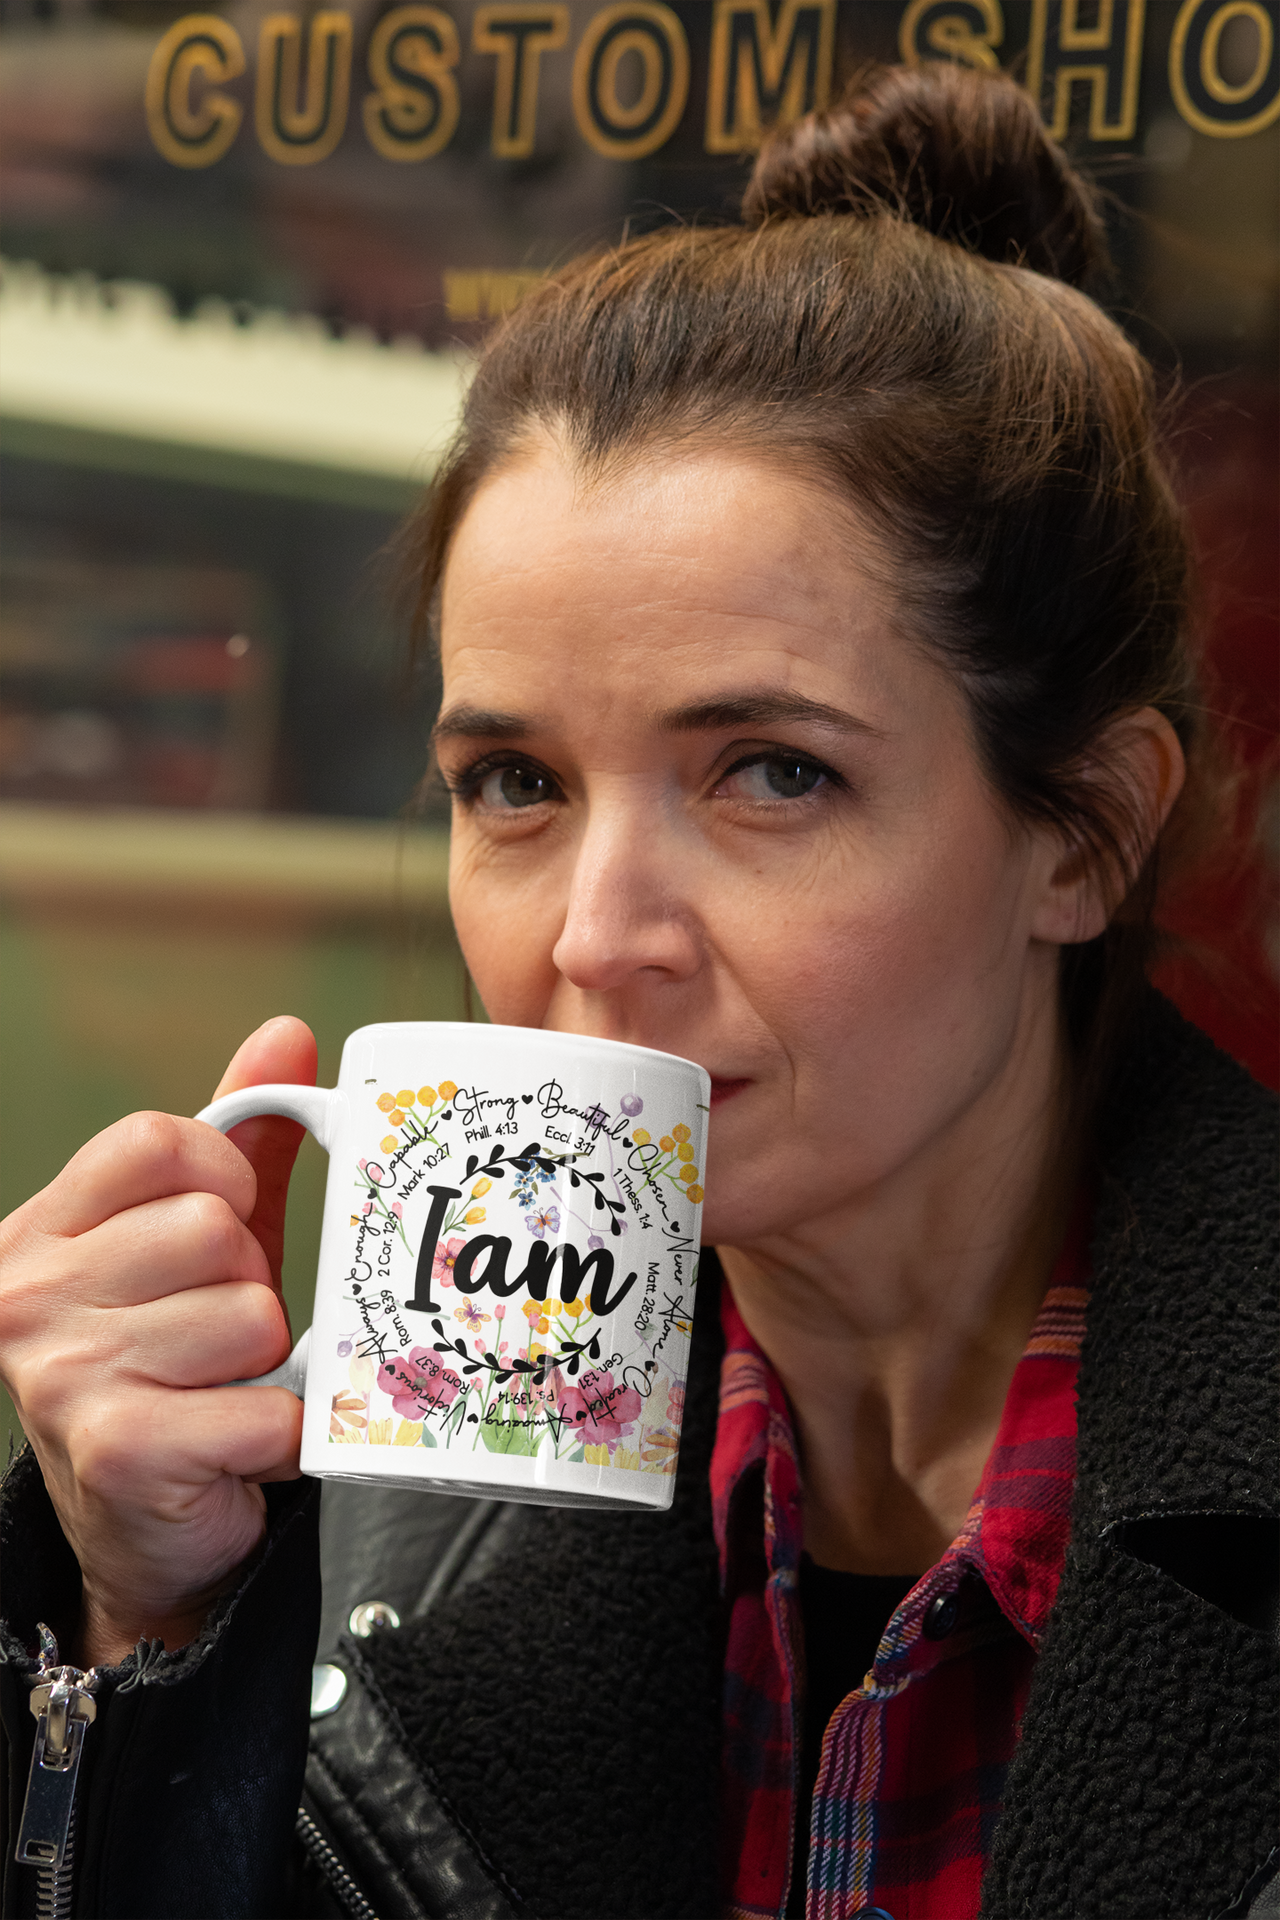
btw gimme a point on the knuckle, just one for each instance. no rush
(154, 1138)
(215, 1226)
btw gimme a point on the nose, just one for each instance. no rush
(627, 913)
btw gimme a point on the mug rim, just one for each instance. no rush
(585, 1041)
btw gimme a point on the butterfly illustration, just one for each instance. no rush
(541, 1224)
(470, 1315)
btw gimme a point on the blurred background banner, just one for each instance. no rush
(247, 258)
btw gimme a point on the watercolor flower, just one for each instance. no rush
(695, 1193)
(642, 1136)
(397, 1208)
(408, 1433)
(541, 1224)
(395, 1118)
(405, 1097)
(684, 1151)
(418, 1383)
(347, 1417)
(594, 1241)
(344, 1348)
(627, 1457)
(380, 1432)
(598, 1407)
(470, 1315)
(481, 1187)
(532, 1309)
(658, 1450)
(631, 1104)
(596, 1456)
(473, 1218)
(447, 1089)
(427, 1096)
(675, 1402)
(667, 1144)
(389, 1143)
(499, 1312)
(575, 1307)
(385, 1102)
(446, 1258)
(687, 1172)
(680, 1133)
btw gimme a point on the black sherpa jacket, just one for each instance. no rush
(540, 1735)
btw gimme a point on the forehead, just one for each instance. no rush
(719, 534)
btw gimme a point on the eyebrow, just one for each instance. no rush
(762, 707)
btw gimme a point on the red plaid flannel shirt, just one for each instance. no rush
(911, 1780)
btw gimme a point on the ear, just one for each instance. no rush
(1137, 768)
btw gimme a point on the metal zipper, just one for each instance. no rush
(348, 1893)
(62, 1702)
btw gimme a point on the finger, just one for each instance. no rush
(148, 1156)
(162, 1247)
(282, 1050)
(159, 1451)
(207, 1338)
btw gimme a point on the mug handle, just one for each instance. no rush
(315, 1108)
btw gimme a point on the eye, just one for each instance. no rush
(774, 776)
(515, 786)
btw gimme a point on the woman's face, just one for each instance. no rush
(707, 798)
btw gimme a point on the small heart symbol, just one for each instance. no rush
(446, 1116)
(527, 1098)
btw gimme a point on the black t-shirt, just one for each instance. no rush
(844, 1616)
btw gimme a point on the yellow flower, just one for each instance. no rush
(642, 1136)
(390, 1144)
(427, 1096)
(532, 1309)
(405, 1097)
(447, 1089)
(696, 1194)
(666, 1143)
(380, 1432)
(473, 1218)
(355, 1219)
(554, 1306)
(385, 1103)
(360, 1373)
(395, 1118)
(481, 1187)
(596, 1456)
(684, 1152)
(408, 1433)
(535, 1351)
(575, 1307)
(627, 1457)
(687, 1171)
(679, 1133)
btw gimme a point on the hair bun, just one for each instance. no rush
(958, 151)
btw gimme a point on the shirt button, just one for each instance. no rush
(941, 1616)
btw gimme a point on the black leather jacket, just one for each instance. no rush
(539, 1736)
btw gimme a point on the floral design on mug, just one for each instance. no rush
(559, 1389)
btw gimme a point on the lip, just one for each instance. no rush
(722, 1090)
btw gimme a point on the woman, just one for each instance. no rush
(811, 605)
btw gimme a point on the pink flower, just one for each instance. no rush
(599, 1410)
(418, 1384)
(675, 1403)
(367, 1207)
(443, 1264)
(499, 1313)
(397, 1209)
(362, 1164)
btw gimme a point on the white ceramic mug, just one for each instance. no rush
(505, 1294)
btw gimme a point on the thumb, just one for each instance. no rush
(283, 1050)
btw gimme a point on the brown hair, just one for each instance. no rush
(895, 318)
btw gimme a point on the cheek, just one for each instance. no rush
(507, 926)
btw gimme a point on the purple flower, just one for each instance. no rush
(631, 1105)
(594, 1240)
(344, 1348)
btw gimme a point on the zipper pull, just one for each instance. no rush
(62, 1702)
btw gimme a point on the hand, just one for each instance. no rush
(134, 1284)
